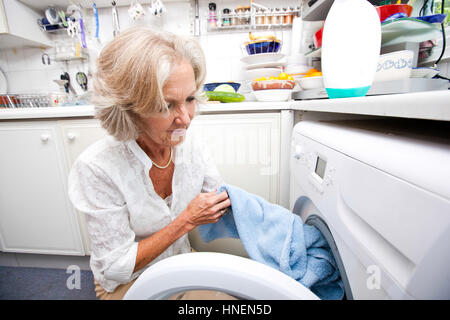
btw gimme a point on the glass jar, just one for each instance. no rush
(277, 17)
(290, 15)
(284, 16)
(241, 15)
(235, 21)
(259, 17)
(263, 16)
(226, 21)
(270, 17)
(247, 16)
(212, 21)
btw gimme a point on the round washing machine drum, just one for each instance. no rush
(240, 277)
(305, 208)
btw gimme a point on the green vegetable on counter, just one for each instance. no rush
(224, 96)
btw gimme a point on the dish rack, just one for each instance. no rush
(56, 28)
(25, 101)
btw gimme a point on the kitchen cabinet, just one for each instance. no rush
(18, 27)
(35, 213)
(77, 135)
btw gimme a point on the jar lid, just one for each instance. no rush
(212, 6)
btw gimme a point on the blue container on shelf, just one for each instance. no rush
(263, 46)
(211, 86)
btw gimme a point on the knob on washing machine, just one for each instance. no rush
(298, 152)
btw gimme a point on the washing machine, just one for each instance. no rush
(379, 191)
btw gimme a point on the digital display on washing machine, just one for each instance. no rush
(320, 167)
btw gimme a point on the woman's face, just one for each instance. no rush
(179, 90)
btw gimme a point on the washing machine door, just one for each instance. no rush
(240, 277)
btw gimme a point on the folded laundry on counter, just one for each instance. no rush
(278, 238)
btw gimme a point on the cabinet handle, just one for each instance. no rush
(71, 136)
(45, 137)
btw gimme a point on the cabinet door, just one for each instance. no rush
(246, 150)
(35, 213)
(77, 135)
(19, 28)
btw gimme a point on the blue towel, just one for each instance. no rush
(278, 238)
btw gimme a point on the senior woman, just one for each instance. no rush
(148, 183)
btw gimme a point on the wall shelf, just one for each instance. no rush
(251, 20)
(24, 34)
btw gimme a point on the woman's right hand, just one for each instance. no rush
(206, 208)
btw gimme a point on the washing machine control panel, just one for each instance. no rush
(318, 169)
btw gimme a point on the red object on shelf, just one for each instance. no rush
(318, 38)
(388, 10)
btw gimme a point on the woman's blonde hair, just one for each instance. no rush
(131, 71)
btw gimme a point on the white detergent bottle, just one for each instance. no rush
(351, 44)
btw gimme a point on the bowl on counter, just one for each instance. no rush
(211, 86)
(273, 95)
(388, 10)
(394, 66)
(307, 83)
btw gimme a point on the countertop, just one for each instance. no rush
(431, 105)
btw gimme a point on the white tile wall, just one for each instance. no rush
(26, 74)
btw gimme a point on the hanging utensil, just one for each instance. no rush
(82, 80)
(45, 59)
(77, 16)
(83, 36)
(97, 24)
(62, 15)
(115, 18)
(65, 76)
(136, 11)
(72, 29)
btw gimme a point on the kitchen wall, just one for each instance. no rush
(26, 74)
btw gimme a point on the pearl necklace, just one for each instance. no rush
(163, 167)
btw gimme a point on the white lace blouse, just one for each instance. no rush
(110, 184)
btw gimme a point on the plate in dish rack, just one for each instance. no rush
(262, 58)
